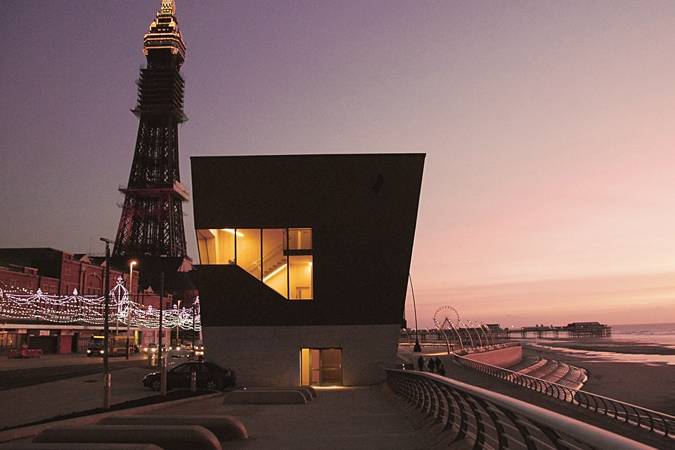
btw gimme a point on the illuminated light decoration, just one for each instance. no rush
(274, 272)
(23, 305)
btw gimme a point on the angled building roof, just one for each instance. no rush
(362, 209)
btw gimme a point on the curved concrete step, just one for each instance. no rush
(547, 369)
(225, 428)
(168, 437)
(560, 373)
(529, 369)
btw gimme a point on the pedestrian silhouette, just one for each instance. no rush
(420, 363)
(437, 360)
(441, 369)
(431, 365)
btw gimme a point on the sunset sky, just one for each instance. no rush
(549, 128)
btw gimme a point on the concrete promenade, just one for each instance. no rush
(370, 417)
(469, 376)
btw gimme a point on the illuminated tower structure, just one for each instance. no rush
(151, 226)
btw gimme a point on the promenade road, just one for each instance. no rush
(16, 373)
(46, 400)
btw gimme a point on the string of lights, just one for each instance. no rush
(23, 305)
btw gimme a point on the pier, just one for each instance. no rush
(492, 333)
(572, 330)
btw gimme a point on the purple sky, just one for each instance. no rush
(549, 183)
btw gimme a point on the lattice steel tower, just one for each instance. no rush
(151, 225)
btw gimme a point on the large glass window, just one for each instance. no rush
(216, 246)
(300, 238)
(279, 257)
(300, 277)
(249, 256)
(275, 260)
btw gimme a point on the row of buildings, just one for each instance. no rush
(59, 273)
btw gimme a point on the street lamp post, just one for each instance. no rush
(178, 325)
(129, 300)
(194, 332)
(107, 377)
(162, 366)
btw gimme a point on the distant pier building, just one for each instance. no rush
(574, 329)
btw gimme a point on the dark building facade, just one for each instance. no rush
(304, 262)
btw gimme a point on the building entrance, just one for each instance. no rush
(320, 366)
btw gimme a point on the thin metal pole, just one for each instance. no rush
(107, 378)
(162, 366)
(178, 325)
(417, 347)
(193, 325)
(129, 301)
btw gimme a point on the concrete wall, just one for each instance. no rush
(270, 356)
(503, 357)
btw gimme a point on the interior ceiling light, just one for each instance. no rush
(231, 231)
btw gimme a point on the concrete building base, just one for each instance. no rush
(270, 356)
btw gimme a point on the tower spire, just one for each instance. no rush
(168, 7)
(163, 33)
(151, 225)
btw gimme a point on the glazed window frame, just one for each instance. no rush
(267, 254)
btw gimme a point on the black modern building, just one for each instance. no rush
(304, 261)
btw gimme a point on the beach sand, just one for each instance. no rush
(647, 384)
(615, 346)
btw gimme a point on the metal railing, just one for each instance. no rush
(486, 420)
(637, 416)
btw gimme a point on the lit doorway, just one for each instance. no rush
(320, 366)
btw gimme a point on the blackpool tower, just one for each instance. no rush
(151, 226)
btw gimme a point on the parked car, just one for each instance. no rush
(180, 352)
(209, 377)
(150, 348)
(117, 345)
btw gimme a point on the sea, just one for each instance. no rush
(649, 333)
(659, 337)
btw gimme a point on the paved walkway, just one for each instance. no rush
(355, 418)
(43, 401)
(57, 361)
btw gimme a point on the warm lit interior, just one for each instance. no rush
(279, 257)
(216, 246)
(320, 366)
(300, 238)
(248, 255)
(300, 277)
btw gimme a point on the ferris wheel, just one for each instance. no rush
(442, 315)
(443, 319)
